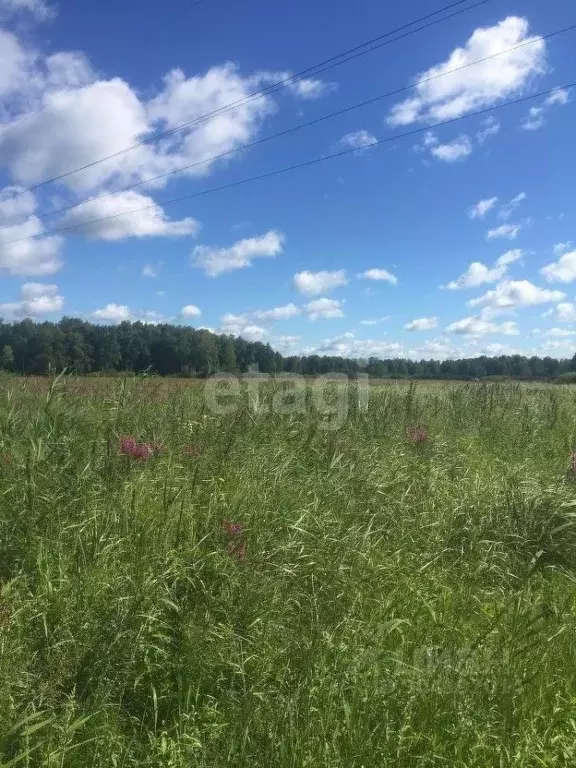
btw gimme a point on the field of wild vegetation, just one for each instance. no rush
(182, 587)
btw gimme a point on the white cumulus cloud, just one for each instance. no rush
(315, 283)
(455, 150)
(278, 313)
(422, 324)
(215, 261)
(24, 250)
(239, 325)
(36, 300)
(38, 9)
(360, 141)
(561, 271)
(479, 326)
(535, 118)
(479, 274)
(117, 217)
(513, 294)
(478, 86)
(190, 310)
(378, 275)
(327, 309)
(113, 313)
(564, 312)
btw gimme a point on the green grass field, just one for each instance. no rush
(263, 592)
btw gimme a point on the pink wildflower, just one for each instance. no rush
(234, 529)
(129, 446)
(417, 435)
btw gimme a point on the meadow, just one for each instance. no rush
(181, 587)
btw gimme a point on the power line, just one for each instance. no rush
(316, 69)
(295, 128)
(297, 166)
(99, 73)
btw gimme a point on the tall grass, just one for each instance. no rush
(385, 602)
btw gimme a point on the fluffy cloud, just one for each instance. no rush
(307, 88)
(478, 273)
(51, 119)
(127, 214)
(278, 313)
(506, 231)
(215, 261)
(69, 133)
(36, 300)
(535, 118)
(508, 208)
(311, 88)
(513, 294)
(477, 86)
(455, 150)
(315, 283)
(113, 313)
(190, 310)
(358, 140)
(378, 274)
(481, 208)
(561, 271)
(478, 326)
(564, 312)
(24, 250)
(422, 324)
(40, 10)
(347, 345)
(326, 309)
(239, 325)
(490, 127)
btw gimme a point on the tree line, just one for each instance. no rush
(27, 348)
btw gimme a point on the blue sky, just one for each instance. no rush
(456, 241)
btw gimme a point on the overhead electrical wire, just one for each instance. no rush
(293, 129)
(98, 73)
(297, 166)
(334, 61)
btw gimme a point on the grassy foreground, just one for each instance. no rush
(261, 592)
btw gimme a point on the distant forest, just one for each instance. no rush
(27, 347)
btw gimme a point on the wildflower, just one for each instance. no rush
(192, 450)
(143, 451)
(234, 529)
(417, 435)
(573, 462)
(129, 446)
